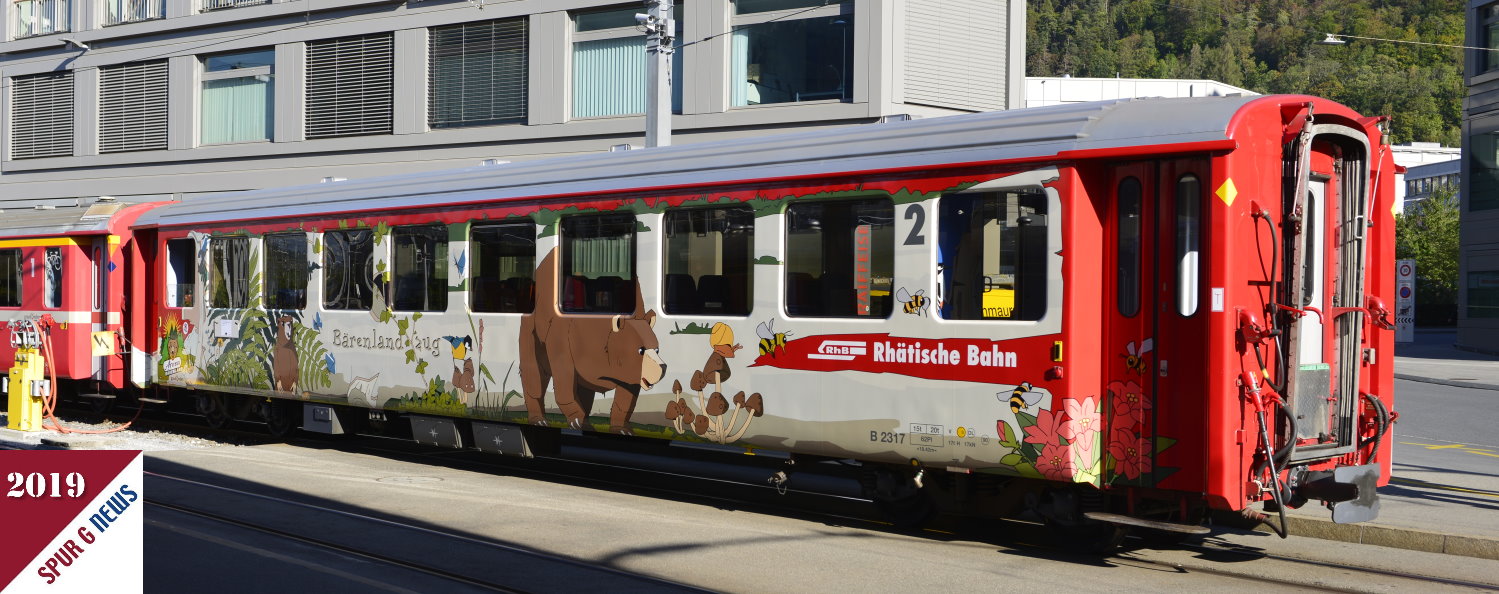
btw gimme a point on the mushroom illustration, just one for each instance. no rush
(701, 425)
(686, 412)
(756, 405)
(674, 414)
(738, 406)
(717, 406)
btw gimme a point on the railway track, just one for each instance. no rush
(439, 560)
(824, 494)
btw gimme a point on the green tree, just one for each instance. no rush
(1428, 233)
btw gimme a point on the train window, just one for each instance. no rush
(10, 278)
(598, 264)
(229, 270)
(1188, 243)
(992, 255)
(421, 268)
(840, 258)
(53, 277)
(1129, 247)
(708, 268)
(349, 269)
(180, 272)
(504, 265)
(286, 271)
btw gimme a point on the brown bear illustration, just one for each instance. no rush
(584, 355)
(284, 362)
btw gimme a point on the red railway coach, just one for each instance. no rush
(66, 270)
(1123, 313)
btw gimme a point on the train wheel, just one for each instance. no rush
(100, 406)
(214, 410)
(281, 417)
(1063, 511)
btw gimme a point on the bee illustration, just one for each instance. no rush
(1022, 397)
(1135, 360)
(915, 304)
(770, 340)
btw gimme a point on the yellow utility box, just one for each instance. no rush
(26, 381)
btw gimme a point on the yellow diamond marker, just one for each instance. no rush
(1227, 192)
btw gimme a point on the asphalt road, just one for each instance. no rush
(1446, 460)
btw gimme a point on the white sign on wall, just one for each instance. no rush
(1405, 301)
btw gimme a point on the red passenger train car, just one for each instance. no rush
(1122, 313)
(68, 270)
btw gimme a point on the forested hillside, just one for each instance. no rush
(1269, 46)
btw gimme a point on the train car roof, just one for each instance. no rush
(970, 138)
(62, 220)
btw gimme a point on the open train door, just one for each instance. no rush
(1320, 307)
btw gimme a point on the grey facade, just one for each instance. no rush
(1478, 266)
(171, 99)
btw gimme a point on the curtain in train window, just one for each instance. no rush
(1129, 250)
(840, 258)
(708, 269)
(229, 270)
(992, 255)
(286, 271)
(53, 291)
(598, 264)
(421, 268)
(180, 272)
(349, 269)
(10, 278)
(504, 267)
(1188, 243)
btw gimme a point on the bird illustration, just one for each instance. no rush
(463, 365)
(461, 260)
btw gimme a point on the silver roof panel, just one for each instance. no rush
(969, 138)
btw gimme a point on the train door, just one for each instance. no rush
(1155, 378)
(1130, 314)
(1321, 304)
(99, 299)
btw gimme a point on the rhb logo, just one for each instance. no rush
(840, 350)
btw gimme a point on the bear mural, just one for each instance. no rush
(583, 356)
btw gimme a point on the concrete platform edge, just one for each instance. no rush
(1396, 538)
(1445, 382)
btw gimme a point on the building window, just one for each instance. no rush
(133, 107)
(598, 264)
(349, 269)
(421, 268)
(1128, 247)
(1488, 31)
(41, 17)
(180, 272)
(119, 12)
(239, 102)
(504, 265)
(840, 258)
(350, 86)
(609, 63)
(229, 272)
(41, 116)
(1483, 164)
(992, 255)
(1483, 294)
(10, 278)
(788, 50)
(478, 74)
(286, 271)
(708, 261)
(53, 287)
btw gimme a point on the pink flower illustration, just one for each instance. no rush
(1047, 429)
(1085, 421)
(1055, 462)
(1131, 453)
(1128, 402)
